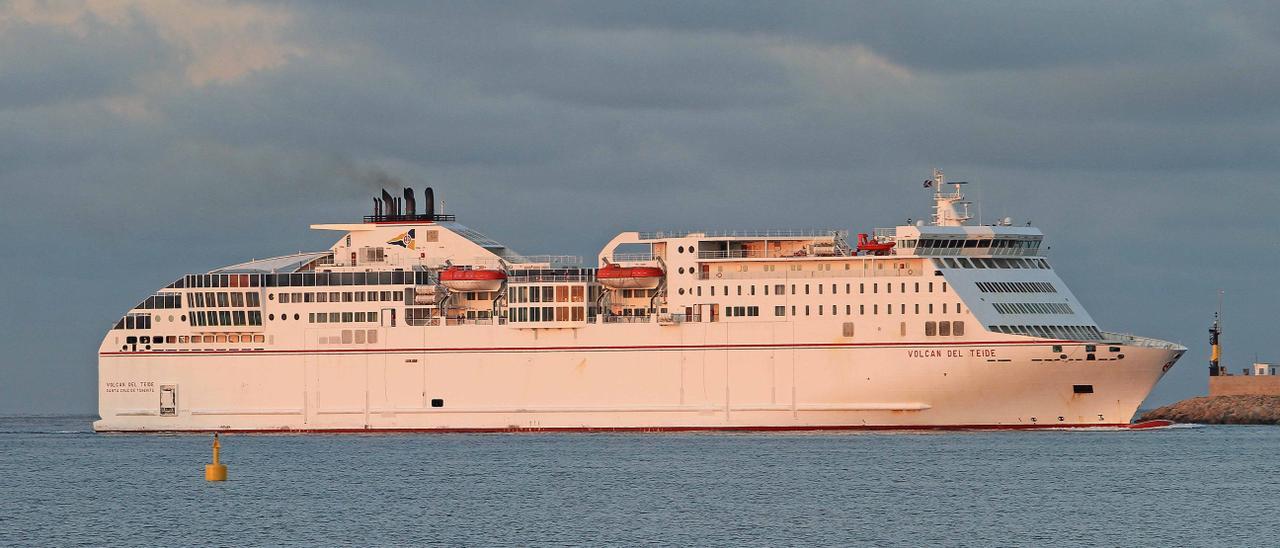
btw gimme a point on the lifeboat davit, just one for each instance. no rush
(872, 246)
(472, 279)
(613, 276)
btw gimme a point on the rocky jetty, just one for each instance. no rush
(1220, 410)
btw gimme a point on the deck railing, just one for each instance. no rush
(632, 257)
(772, 233)
(1145, 342)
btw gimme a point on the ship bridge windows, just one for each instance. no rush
(1000, 245)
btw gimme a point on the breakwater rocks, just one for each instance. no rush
(1221, 410)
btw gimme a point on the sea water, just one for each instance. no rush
(61, 484)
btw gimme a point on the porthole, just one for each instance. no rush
(680, 249)
(682, 270)
(682, 291)
(171, 317)
(184, 317)
(1119, 356)
(124, 347)
(271, 316)
(295, 316)
(271, 296)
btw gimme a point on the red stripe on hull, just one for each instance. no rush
(599, 348)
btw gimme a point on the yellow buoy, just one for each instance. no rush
(216, 471)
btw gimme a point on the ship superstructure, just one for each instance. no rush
(413, 321)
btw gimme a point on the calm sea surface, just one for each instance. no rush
(60, 484)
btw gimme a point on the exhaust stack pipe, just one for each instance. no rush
(388, 203)
(409, 206)
(429, 197)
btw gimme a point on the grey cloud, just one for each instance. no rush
(1131, 132)
(41, 65)
(941, 36)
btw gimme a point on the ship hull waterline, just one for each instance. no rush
(711, 385)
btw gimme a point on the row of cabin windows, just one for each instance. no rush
(736, 311)
(546, 294)
(305, 279)
(799, 267)
(944, 329)
(351, 336)
(418, 316)
(187, 339)
(820, 289)
(161, 302)
(203, 318)
(1076, 332)
(1016, 287)
(875, 309)
(223, 299)
(338, 297)
(342, 317)
(983, 262)
(546, 314)
(429, 316)
(1033, 308)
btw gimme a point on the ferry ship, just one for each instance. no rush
(414, 322)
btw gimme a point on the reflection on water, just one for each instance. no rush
(62, 484)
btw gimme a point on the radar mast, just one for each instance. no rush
(950, 208)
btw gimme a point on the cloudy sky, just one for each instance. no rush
(142, 141)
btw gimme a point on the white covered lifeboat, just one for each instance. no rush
(613, 276)
(457, 278)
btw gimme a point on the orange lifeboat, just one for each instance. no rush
(873, 247)
(613, 276)
(457, 278)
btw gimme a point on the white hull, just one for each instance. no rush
(958, 326)
(698, 377)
